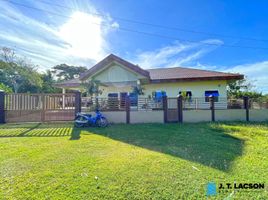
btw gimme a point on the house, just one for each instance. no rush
(118, 77)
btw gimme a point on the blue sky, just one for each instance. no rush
(76, 35)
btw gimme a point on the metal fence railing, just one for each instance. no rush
(235, 103)
(119, 104)
(200, 103)
(150, 104)
(103, 104)
(58, 107)
(238, 103)
(258, 104)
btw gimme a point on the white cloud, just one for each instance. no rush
(177, 54)
(188, 54)
(78, 40)
(115, 25)
(257, 73)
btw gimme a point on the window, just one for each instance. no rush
(113, 101)
(133, 97)
(113, 95)
(212, 93)
(188, 94)
(123, 99)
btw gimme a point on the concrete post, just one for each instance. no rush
(127, 99)
(212, 108)
(180, 109)
(246, 106)
(165, 107)
(77, 102)
(2, 107)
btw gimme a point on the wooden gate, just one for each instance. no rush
(172, 109)
(39, 107)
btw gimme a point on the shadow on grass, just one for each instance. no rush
(200, 143)
(40, 130)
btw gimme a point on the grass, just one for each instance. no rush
(145, 161)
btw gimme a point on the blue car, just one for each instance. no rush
(83, 120)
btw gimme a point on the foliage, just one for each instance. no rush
(241, 88)
(5, 88)
(143, 161)
(138, 90)
(48, 81)
(91, 87)
(67, 72)
(250, 94)
(18, 73)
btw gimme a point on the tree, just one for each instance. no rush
(92, 87)
(138, 90)
(5, 88)
(241, 88)
(48, 81)
(67, 72)
(18, 73)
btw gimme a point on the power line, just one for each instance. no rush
(160, 26)
(142, 32)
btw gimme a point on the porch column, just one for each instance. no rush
(63, 98)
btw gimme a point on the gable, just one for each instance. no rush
(114, 59)
(116, 73)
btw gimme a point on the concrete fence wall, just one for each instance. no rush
(146, 117)
(135, 116)
(258, 115)
(141, 116)
(230, 115)
(115, 116)
(193, 116)
(189, 116)
(196, 115)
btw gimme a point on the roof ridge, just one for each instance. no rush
(163, 68)
(112, 57)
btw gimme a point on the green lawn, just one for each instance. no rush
(150, 161)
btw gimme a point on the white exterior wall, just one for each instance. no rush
(114, 89)
(122, 77)
(197, 88)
